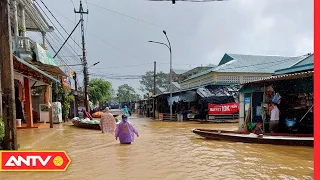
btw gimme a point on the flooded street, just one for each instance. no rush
(164, 151)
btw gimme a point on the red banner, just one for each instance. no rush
(34, 161)
(229, 108)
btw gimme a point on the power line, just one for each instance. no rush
(57, 21)
(143, 21)
(103, 40)
(124, 66)
(53, 40)
(55, 27)
(73, 3)
(45, 38)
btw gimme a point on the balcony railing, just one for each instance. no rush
(22, 44)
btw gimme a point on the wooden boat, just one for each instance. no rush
(86, 125)
(219, 121)
(89, 126)
(277, 139)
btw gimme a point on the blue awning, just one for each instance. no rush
(36, 69)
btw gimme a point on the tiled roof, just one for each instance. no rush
(251, 64)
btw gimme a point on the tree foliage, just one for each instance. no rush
(162, 81)
(127, 93)
(99, 90)
(65, 97)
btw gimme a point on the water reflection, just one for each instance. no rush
(164, 150)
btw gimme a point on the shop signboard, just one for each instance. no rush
(43, 56)
(228, 108)
(246, 104)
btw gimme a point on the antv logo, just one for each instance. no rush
(34, 161)
(29, 161)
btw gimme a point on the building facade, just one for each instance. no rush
(239, 69)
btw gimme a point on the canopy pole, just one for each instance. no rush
(264, 101)
(306, 113)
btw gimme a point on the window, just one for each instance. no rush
(229, 79)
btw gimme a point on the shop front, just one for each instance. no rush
(293, 94)
(29, 81)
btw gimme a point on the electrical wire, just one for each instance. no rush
(40, 28)
(56, 20)
(56, 27)
(143, 21)
(101, 39)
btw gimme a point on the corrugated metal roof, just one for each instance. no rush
(284, 77)
(304, 65)
(256, 63)
(179, 71)
(36, 69)
(177, 85)
(251, 64)
(200, 74)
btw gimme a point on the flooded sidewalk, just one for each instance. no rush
(164, 151)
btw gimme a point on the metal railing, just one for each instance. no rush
(22, 44)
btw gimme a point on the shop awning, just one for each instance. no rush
(51, 69)
(35, 68)
(247, 90)
(283, 77)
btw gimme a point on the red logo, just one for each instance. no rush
(34, 161)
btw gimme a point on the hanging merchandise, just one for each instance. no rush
(277, 98)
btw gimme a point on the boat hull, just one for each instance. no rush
(86, 125)
(277, 139)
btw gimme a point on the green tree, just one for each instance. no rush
(65, 97)
(99, 90)
(162, 81)
(127, 93)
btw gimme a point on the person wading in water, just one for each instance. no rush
(107, 122)
(125, 131)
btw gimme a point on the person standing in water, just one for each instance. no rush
(107, 122)
(127, 111)
(274, 118)
(125, 131)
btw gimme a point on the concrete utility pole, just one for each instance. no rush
(84, 58)
(7, 78)
(75, 94)
(154, 88)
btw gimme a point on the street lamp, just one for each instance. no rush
(79, 64)
(94, 64)
(170, 74)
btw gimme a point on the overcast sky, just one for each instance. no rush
(200, 33)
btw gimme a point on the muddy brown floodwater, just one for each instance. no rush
(164, 151)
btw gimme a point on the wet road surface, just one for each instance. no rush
(164, 151)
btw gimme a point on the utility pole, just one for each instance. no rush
(84, 58)
(154, 88)
(7, 78)
(75, 94)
